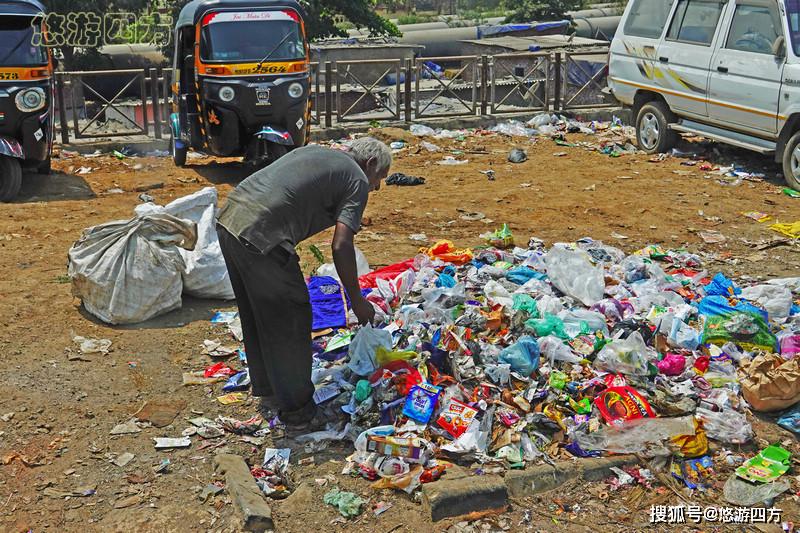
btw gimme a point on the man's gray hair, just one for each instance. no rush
(366, 148)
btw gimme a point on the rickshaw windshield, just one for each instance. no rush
(16, 43)
(252, 37)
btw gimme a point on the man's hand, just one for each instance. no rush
(363, 310)
(344, 256)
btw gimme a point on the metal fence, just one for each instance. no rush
(116, 103)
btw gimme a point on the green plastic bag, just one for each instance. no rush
(558, 380)
(770, 464)
(548, 325)
(748, 330)
(348, 504)
(524, 302)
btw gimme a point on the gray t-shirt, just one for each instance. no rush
(301, 194)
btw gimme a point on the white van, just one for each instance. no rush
(725, 70)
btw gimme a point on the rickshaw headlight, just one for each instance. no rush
(30, 100)
(296, 90)
(226, 93)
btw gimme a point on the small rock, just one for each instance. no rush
(124, 459)
(130, 501)
(127, 428)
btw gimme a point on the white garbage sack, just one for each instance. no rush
(205, 274)
(573, 274)
(129, 271)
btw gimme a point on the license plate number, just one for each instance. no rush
(262, 96)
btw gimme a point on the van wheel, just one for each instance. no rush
(791, 162)
(10, 178)
(652, 128)
(178, 154)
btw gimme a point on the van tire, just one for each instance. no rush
(652, 128)
(10, 178)
(791, 162)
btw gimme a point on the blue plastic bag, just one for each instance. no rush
(719, 306)
(722, 286)
(522, 356)
(522, 275)
(790, 419)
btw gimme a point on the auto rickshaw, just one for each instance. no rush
(242, 80)
(26, 94)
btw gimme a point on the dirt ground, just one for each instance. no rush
(58, 412)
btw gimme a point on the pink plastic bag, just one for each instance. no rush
(672, 364)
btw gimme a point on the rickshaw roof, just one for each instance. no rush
(194, 10)
(21, 7)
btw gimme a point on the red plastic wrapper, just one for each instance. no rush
(432, 474)
(701, 364)
(456, 418)
(219, 370)
(615, 380)
(623, 403)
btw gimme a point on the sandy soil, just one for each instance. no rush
(64, 410)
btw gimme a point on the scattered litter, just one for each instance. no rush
(517, 155)
(92, 346)
(165, 443)
(232, 398)
(450, 160)
(398, 178)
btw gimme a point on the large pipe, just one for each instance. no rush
(596, 12)
(602, 28)
(443, 42)
(427, 26)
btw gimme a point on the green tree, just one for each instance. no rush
(321, 21)
(540, 10)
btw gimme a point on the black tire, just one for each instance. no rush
(45, 167)
(10, 178)
(652, 128)
(791, 162)
(178, 154)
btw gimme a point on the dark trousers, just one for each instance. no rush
(276, 322)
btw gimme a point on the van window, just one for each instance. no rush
(754, 29)
(695, 21)
(793, 12)
(647, 18)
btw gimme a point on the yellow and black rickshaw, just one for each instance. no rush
(242, 80)
(26, 94)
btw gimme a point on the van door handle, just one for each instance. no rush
(663, 59)
(724, 70)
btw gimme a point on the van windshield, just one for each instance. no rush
(16, 43)
(793, 12)
(250, 37)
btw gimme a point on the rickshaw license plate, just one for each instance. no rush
(262, 96)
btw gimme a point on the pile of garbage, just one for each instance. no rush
(615, 138)
(504, 356)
